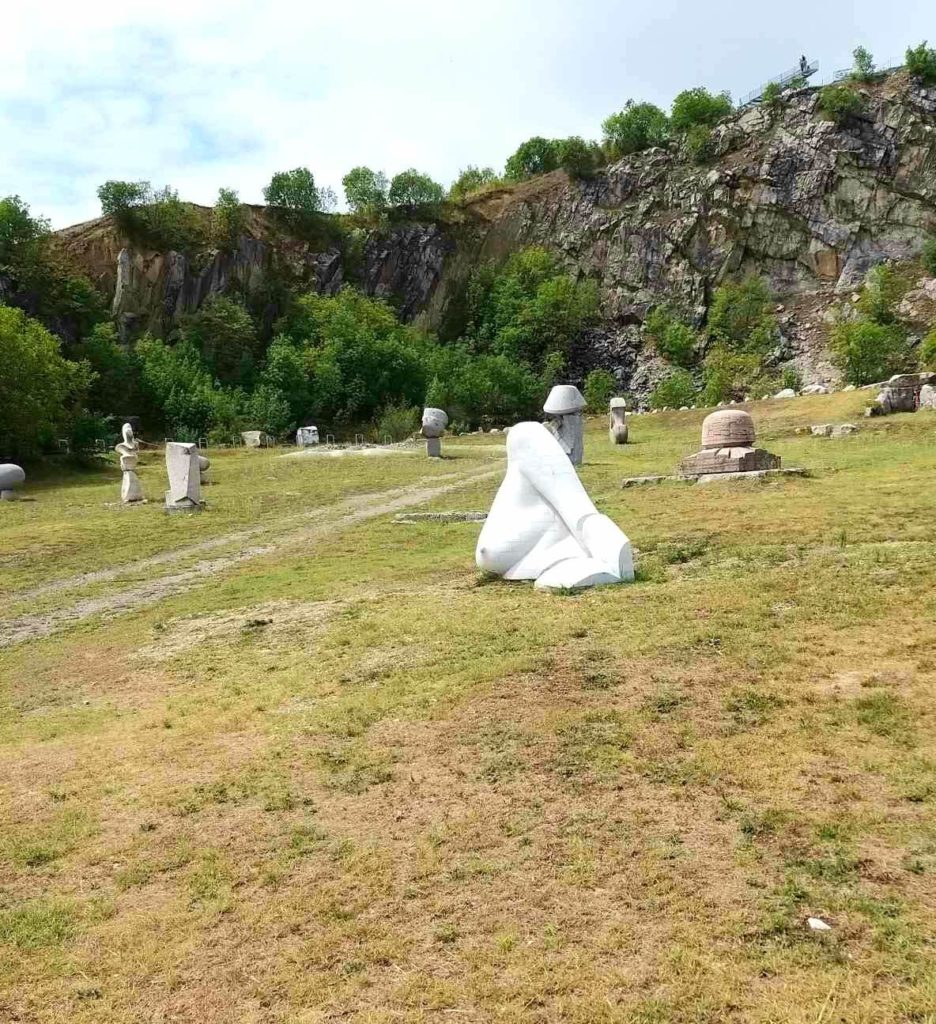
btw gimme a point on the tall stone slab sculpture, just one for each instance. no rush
(617, 421)
(434, 422)
(129, 451)
(184, 494)
(543, 526)
(563, 408)
(10, 476)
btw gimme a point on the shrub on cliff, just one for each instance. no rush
(698, 107)
(921, 62)
(881, 293)
(472, 179)
(412, 188)
(863, 66)
(576, 157)
(840, 103)
(296, 200)
(157, 218)
(740, 317)
(227, 219)
(928, 352)
(674, 391)
(674, 339)
(637, 127)
(224, 333)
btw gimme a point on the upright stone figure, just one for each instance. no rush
(563, 409)
(617, 425)
(10, 476)
(184, 494)
(543, 526)
(434, 422)
(129, 451)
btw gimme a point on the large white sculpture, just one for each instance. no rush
(563, 409)
(10, 476)
(184, 494)
(434, 422)
(129, 451)
(543, 526)
(617, 426)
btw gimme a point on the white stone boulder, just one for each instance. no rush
(434, 422)
(307, 436)
(543, 526)
(10, 476)
(785, 393)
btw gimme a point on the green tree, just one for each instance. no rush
(576, 157)
(921, 62)
(225, 334)
(295, 196)
(740, 317)
(598, 389)
(268, 410)
(40, 390)
(698, 107)
(868, 352)
(21, 234)
(471, 179)
(411, 188)
(398, 422)
(365, 190)
(699, 145)
(674, 391)
(840, 103)
(535, 156)
(228, 221)
(637, 127)
(115, 388)
(120, 198)
(863, 67)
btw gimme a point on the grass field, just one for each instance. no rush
(289, 761)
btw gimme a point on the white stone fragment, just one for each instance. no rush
(818, 925)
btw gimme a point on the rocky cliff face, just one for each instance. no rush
(793, 197)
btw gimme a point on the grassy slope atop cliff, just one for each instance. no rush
(348, 779)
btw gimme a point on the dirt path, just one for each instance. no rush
(337, 517)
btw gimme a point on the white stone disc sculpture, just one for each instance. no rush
(564, 408)
(434, 422)
(10, 476)
(543, 526)
(184, 494)
(129, 451)
(617, 426)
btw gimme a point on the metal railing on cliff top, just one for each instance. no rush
(802, 70)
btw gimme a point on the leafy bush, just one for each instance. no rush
(20, 233)
(535, 156)
(40, 390)
(867, 352)
(227, 219)
(470, 180)
(731, 375)
(740, 317)
(365, 190)
(699, 143)
(576, 157)
(929, 256)
(698, 107)
(268, 410)
(921, 62)
(637, 127)
(791, 378)
(928, 352)
(410, 188)
(398, 422)
(840, 103)
(863, 68)
(772, 97)
(881, 294)
(598, 390)
(674, 391)
(673, 338)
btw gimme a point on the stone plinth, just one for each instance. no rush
(306, 437)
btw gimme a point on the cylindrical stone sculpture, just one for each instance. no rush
(204, 464)
(617, 425)
(129, 451)
(563, 409)
(10, 476)
(434, 422)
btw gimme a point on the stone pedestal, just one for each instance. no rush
(434, 447)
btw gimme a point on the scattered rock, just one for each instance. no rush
(815, 389)
(785, 393)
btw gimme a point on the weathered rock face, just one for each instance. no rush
(792, 197)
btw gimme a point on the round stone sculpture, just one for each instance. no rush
(434, 422)
(10, 476)
(728, 428)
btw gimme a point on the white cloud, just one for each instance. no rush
(205, 94)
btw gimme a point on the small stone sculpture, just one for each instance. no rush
(928, 397)
(728, 446)
(129, 451)
(307, 436)
(204, 464)
(253, 438)
(10, 476)
(617, 426)
(434, 422)
(563, 409)
(543, 526)
(184, 494)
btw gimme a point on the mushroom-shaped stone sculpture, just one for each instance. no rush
(129, 451)
(434, 422)
(563, 409)
(728, 446)
(10, 476)
(617, 425)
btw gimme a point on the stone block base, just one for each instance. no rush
(728, 460)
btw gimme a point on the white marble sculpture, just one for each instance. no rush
(306, 437)
(563, 410)
(543, 526)
(129, 451)
(204, 464)
(434, 422)
(10, 476)
(617, 425)
(928, 397)
(184, 494)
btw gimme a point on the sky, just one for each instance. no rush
(202, 94)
